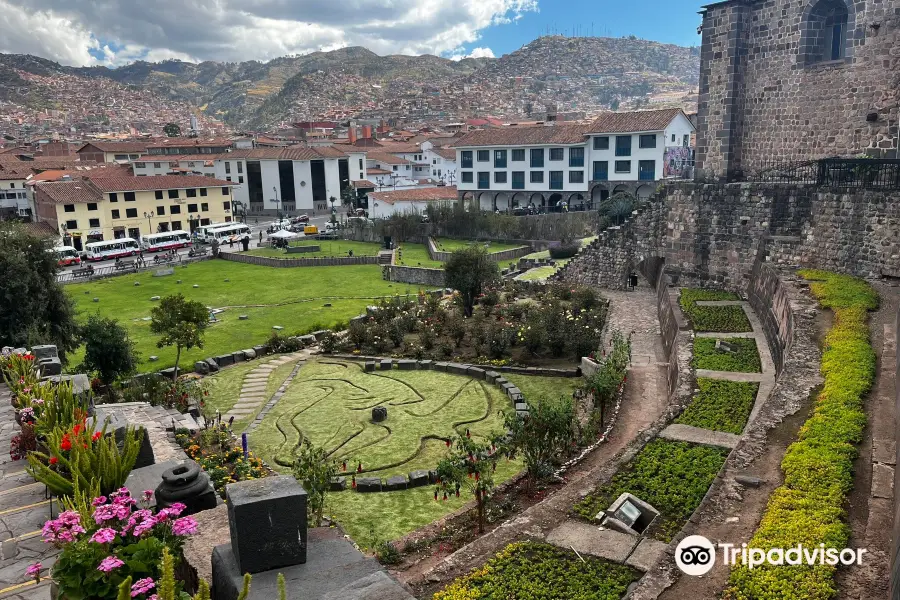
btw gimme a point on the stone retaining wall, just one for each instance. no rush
(502, 256)
(414, 275)
(330, 261)
(769, 299)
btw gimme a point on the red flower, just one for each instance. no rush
(66, 443)
(96, 436)
(53, 460)
(78, 429)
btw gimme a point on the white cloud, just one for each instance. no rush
(479, 52)
(238, 30)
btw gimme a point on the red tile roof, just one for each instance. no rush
(289, 153)
(122, 183)
(16, 174)
(67, 192)
(432, 194)
(364, 184)
(523, 136)
(634, 121)
(42, 229)
(185, 142)
(386, 158)
(378, 172)
(126, 147)
(448, 153)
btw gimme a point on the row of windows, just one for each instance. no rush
(132, 213)
(646, 172)
(240, 167)
(576, 155)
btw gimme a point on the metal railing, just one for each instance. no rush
(854, 173)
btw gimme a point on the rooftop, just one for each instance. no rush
(124, 183)
(126, 147)
(431, 194)
(523, 136)
(634, 121)
(68, 192)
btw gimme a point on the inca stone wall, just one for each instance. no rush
(763, 98)
(414, 275)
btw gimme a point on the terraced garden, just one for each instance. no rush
(327, 248)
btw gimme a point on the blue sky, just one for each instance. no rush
(672, 21)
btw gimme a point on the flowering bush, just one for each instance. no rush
(115, 541)
(184, 394)
(215, 452)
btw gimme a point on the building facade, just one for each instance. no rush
(784, 81)
(14, 195)
(385, 204)
(110, 152)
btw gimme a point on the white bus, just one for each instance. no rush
(67, 255)
(168, 240)
(229, 231)
(97, 251)
(201, 232)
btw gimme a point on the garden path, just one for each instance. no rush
(253, 391)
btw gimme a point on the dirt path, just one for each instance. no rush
(645, 400)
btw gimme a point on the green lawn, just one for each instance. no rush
(416, 255)
(744, 360)
(536, 389)
(720, 405)
(542, 273)
(291, 298)
(327, 248)
(546, 253)
(450, 245)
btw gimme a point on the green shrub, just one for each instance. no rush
(672, 476)
(725, 319)
(745, 360)
(720, 405)
(808, 508)
(529, 570)
(563, 251)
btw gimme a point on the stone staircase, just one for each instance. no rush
(386, 257)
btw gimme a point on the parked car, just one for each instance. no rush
(300, 219)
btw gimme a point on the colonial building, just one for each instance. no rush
(13, 194)
(579, 165)
(108, 152)
(105, 207)
(790, 81)
(385, 204)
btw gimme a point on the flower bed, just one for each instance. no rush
(672, 476)
(724, 319)
(217, 454)
(808, 508)
(745, 360)
(529, 570)
(720, 405)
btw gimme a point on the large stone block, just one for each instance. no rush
(44, 351)
(116, 425)
(238, 356)
(225, 360)
(441, 366)
(370, 366)
(386, 364)
(368, 484)
(457, 369)
(267, 518)
(419, 478)
(249, 354)
(476, 372)
(406, 365)
(201, 367)
(396, 482)
(426, 364)
(50, 366)
(213, 365)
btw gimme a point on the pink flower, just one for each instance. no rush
(142, 586)
(99, 500)
(104, 536)
(34, 571)
(147, 495)
(184, 526)
(109, 563)
(104, 513)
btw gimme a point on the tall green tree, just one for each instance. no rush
(172, 130)
(314, 469)
(470, 271)
(34, 309)
(108, 351)
(180, 323)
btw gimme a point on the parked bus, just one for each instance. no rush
(97, 251)
(230, 231)
(67, 255)
(169, 240)
(201, 232)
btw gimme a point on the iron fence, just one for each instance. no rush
(855, 173)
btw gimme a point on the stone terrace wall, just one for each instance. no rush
(414, 275)
(770, 300)
(331, 261)
(501, 256)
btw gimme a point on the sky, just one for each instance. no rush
(117, 32)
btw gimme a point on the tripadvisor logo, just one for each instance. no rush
(696, 555)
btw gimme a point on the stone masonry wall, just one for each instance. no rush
(330, 261)
(770, 300)
(760, 101)
(414, 275)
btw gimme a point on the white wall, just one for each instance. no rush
(384, 209)
(679, 127)
(269, 172)
(525, 166)
(332, 181)
(637, 154)
(357, 174)
(303, 173)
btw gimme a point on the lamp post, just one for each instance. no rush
(148, 216)
(277, 203)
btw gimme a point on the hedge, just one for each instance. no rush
(724, 319)
(671, 476)
(745, 360)
(720, 405)
(535, 571)
(808, 508)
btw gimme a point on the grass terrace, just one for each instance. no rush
(720, 405)
(328, 248)
(722, 319)
(451, 245)
(416, 255)
(745, 360)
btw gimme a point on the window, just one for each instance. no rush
(204, 206)
(240, 179)
(537, 177)
(69, 207)
(576, 157)
(174, 210)
(202, 191)
(360, 164)
(71, 225)
(226, 206)
(173, 194)
(115, 214)
(227, 167)
(484, 180)
(228, 178)
(623, 166)
(129, 196)
(557, 153)
(92, 206)
(131, 213)
(159, 194)
(687, 140)
(467, 176)
(113, 197)
(396, 168)
(160, 211)
(192, 208)
(647, 141)
(601, 170)
(120, 157)
(647, 170)
(500, 159)
(13, 185)
(94, 223)
(673, 138)
(824, 35)
(518, 180)
(176, 225)
(556, 180)
(623, 145)
(484, 155)
(139, 165)
(191, 193)
(225, 191)
(518, 155)
(576, 176)
(240, 167)
(500, 177)
(537, 158)
(466, 159)
(191, 165)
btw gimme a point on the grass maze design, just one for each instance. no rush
(331, 402)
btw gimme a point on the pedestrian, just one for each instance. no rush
(260, 237)
(231, 242)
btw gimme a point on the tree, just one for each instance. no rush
(332, 199)
(181, 323)
(108, 351)
(348, 198)
(542, 436)
(471, 465)
(314, 469)
(469, 271)
(172, 130)
(34, 309)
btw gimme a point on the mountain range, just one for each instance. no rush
(579, 74)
